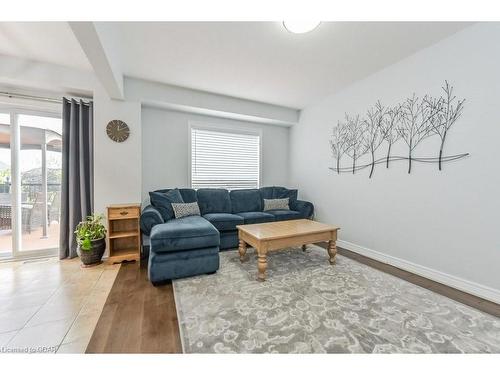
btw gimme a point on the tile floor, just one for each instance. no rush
(49, 305)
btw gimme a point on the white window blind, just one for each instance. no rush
(221, 159)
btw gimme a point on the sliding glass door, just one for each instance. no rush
(5, 187)
(30, 184)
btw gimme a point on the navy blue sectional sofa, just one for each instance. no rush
(190, 245)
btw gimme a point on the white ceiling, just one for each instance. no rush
(262, 61)
(48, 42)
(252, 60)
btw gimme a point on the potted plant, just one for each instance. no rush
(91, 240)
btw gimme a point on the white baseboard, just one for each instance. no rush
(455, 282)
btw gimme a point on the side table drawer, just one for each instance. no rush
(123, 212)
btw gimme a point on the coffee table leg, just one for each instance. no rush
(332, 251)
(262, 266)
(242, 249)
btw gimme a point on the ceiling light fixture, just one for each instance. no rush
(300, 27)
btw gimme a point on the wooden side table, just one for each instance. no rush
(124, 234)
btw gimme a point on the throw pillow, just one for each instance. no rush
(276, 204)
(282, 192)
(163, 202)
(186, 209)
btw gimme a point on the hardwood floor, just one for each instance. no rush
(137, 317)
(140, 318)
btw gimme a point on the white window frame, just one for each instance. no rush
(15, 147)
(227, 128)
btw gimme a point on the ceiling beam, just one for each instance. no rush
(182, 99)
(100, 56)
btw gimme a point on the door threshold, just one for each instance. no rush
(30, 257)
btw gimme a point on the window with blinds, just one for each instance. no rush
(221, 159)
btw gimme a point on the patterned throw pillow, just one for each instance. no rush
(162, 201)
(186, 209)
(276, 204)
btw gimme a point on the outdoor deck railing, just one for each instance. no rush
(32, 205)
(29, 190)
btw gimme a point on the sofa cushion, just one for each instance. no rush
(176, 264)
(162, 201)
(223, 221)
(285, 214)
(192, 232)
(282, 192)
(279, 192)
(267, 192)
(256, 217)
(188, 195)
(245, 200)
(214, 201)
(229, 239)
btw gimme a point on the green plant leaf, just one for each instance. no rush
(86, 244)
(90, 229)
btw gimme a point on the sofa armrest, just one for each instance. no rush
(150, 217)
(305, 208)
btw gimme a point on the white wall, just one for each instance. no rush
(165, 145)
(443, 225)
(117, 166)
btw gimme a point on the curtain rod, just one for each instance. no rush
(34, 97)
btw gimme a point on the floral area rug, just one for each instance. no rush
(307, 305)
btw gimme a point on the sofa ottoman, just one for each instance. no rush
(183, 247)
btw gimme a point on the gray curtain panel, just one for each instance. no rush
(77, 190)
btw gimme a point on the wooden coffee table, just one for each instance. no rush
(266, 237)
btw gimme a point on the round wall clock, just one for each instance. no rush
(117, 130)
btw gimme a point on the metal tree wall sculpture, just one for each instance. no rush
(389, 129)
(339, 143)
(447, 113)
(411, 121)
(373, 134)
(355, 132)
